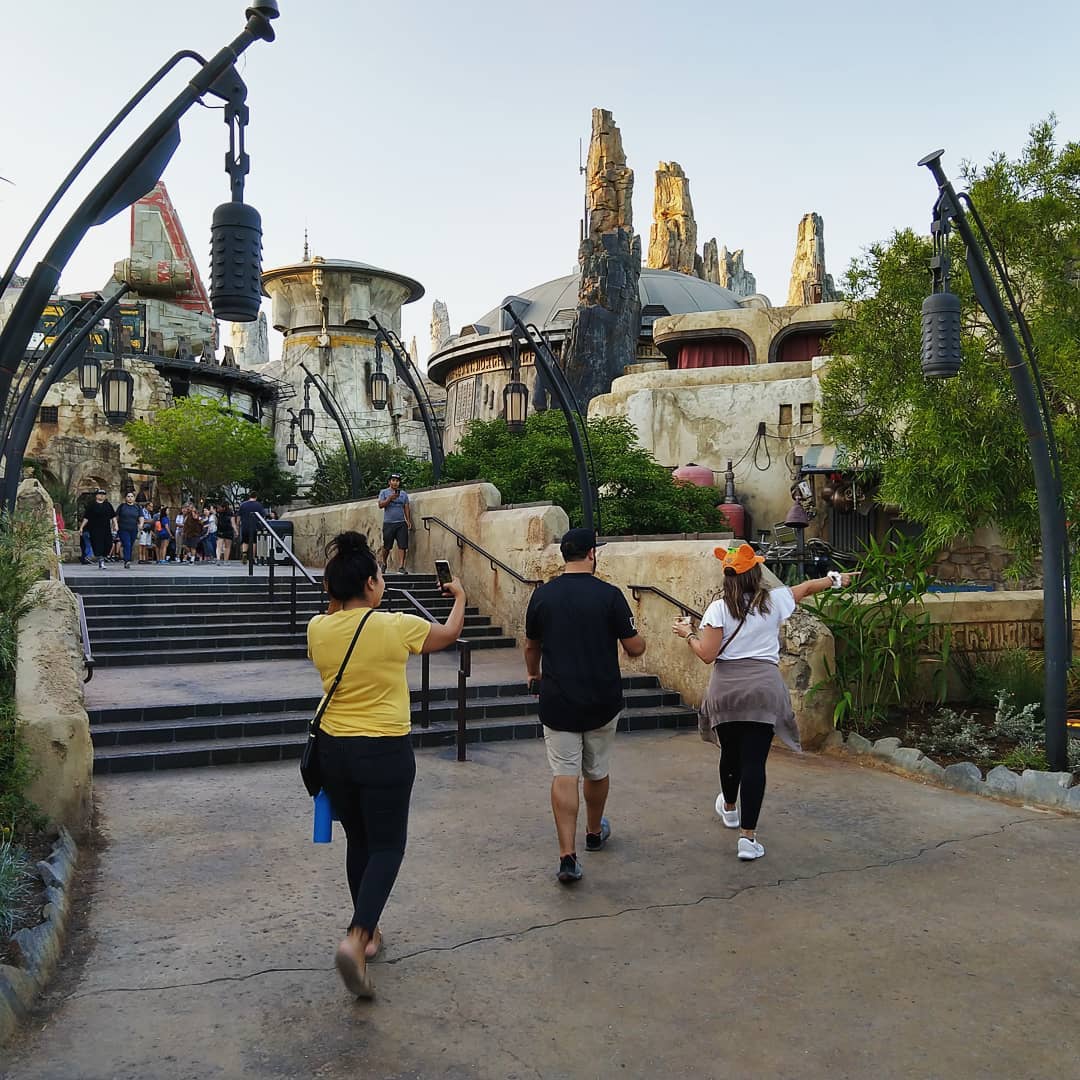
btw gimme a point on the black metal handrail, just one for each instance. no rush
(276, 540)
(464, 671)
(684, 608)
(463, 541)
(84, 630)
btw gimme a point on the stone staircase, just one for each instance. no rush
(241, 732)
(180, 619)
(188, 620)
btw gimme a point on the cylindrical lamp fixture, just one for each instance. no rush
(117, 393)
(516, 406)
(379, 388)
(941, 355)
(89, 375)
(236, 262)
(292, 453)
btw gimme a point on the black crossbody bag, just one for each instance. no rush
(310, 768)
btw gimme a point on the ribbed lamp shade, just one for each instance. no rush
(941, 336)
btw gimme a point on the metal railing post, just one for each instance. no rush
(292, 601)
(464, 670)
(425, 690)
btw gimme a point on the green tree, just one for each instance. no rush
(637, 494)
(376, 460)
(952, 453)
(201, 445)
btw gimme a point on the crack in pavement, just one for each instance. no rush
(507, 935)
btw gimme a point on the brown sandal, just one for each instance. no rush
(376, 940)
(355, 976)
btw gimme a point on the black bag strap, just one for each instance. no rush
(734, 634)
(317, 719)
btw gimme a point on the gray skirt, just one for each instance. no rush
(748, 690)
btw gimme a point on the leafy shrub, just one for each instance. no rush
(637, 494)
(882, 633)
(376, 461)
(17, 883)
(1018, 672)
(956, 734)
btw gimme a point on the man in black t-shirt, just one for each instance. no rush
(573, 629)
(249, 523)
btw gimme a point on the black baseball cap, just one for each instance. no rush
(395, 476)
(577, 543)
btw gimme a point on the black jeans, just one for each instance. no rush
(744, 746)
(369, 782)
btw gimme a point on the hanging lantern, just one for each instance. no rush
(89, 375)
(307, 422)
(292, 453)
(516, 406)
(117, 393)
(379, 388)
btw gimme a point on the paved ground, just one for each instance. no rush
(892, 930)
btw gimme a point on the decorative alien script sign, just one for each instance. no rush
(983, 637)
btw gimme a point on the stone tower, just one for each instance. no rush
(324, 307)
(810, 284)
(673, 235)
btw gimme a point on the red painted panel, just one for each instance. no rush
(801, 346)
(722, 352)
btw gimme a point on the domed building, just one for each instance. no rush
(474, 365)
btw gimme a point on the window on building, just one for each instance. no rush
(785, 415)
(806, 413)
(49, 414)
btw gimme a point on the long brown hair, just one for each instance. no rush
(744, 593)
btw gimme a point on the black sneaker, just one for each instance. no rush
(569, 869)
(594, 841)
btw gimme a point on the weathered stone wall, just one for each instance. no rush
(983, 557)
(49, 702)
(526, 538)
(711, 415)
(83, 450)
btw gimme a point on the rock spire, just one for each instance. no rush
(673, 236)
(440, 326)
(810, 284)
(603, 339)
(726, 268)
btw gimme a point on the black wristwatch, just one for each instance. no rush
(534, 686)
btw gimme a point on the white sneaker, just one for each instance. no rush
(750, 849)
(729, 817)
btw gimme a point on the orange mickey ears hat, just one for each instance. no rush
(739, 559)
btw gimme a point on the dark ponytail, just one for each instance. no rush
(350, 565)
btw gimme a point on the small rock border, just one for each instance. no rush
(1054, 790)
(40, 945)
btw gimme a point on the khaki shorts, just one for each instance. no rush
(581, 753)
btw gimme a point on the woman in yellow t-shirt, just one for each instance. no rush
(365, 749)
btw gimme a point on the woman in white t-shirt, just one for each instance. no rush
(747, 701)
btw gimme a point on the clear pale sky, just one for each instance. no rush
(440, 139)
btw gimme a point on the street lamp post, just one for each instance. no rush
(236, 233)
(575, 419)
(941, 359)
(408, 373)
(333, 410)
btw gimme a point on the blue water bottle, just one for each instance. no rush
(324, 816)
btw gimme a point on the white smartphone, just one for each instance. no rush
(443, 571)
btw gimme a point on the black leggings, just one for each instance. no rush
(744, 746)
(369, 782)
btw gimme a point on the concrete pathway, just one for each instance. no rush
(892, 930)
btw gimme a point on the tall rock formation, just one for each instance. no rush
(726, 269)
(809, 282)
(250, 342)
(440, 326)
(673, 235)
(603, 339)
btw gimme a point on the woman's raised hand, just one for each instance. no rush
(455, 589)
